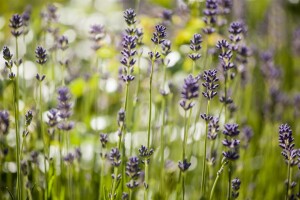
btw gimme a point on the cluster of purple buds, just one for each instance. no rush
(166, 17)
(114, 157)
(195, 46)
(28, 119)
(24, 167)
(34, 157)
(121, 117)
(65, 109)
(231, 131)
(69, 158)
(159, 34)
(63, 43)
(190, 91)
(225, 55)
(145, 154)
(97, 35)
(129, 44)
(139, 34)
(224, 7)
(50, 14)
(133, 172)
(41, 58)
(235, 185)
(286, 142)
(4, 122)
(184, 165)
(130, 19)
(103, 140)
(8, 61)
(16, 24)
(210, 16)
(236, 30)
(166, 48)
(210, 84)
(128, 60)
(52, 116)
(213, 128)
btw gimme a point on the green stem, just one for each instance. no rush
(101, 180)
(184, 136)
(229, 181)
(162, 146)
(113, 189)
(150, 98)
(16, 109)
(288, 183)
(217, 179)
(43, 136)
(225, 103)
(146, 186)
(130, 194)
(183, 185)
(193, 67)
(150, 104)
(204, 155)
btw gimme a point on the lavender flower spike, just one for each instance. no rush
(190, 91)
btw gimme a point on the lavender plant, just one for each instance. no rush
(189, 93)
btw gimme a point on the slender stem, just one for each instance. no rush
(184, 136)
(24, 80)
(130, 194)
(113, 189)
(43, 135)
(162, 146)
(150, 98)
(193, 67)
(288, 182)
(184, 151)
(204, 155)
(217, 179)
(229, 181)
(101, 180)
(225, 93)
(183, 185)
(16, 108)
(146, 179)
(150, 104)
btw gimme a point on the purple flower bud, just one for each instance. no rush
(184, 165)
(4, 122)
(16, 23)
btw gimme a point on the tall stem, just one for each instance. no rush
(16, 109)
(217, 179)
(204, 155)
(43, 135)
(162, 146)
(101, 180)
(150, 104)
(229, 181)
(146, 179)
(113, 189)
(288, 182)
(184, 151)
(184, 136)
(225, 93)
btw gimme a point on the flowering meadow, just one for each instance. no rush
(150, 99)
